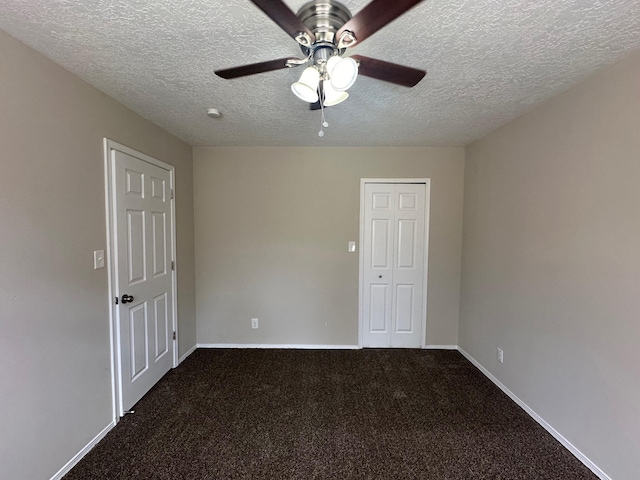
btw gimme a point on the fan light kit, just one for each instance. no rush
(324, 29)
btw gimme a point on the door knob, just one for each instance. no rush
(127, 298)
(379, 276)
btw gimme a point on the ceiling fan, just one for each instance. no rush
(325, 29)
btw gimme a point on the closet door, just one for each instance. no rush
(378, 249)
(393, 268)
(408, 266)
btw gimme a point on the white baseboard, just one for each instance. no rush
(268, 345)
(78, 456)
(440, 347)
(557, 435)
(189, 352)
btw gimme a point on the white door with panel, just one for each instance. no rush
(143, 232)
(394, 265)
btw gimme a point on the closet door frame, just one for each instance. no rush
(361, 279)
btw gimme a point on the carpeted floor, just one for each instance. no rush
(330, 414)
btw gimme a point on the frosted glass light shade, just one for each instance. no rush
(332, 96)
(332, 62)
(343, 74)
(306, 88)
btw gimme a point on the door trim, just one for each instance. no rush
(110, 145)
(427, 200)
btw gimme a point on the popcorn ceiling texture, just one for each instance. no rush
(488, 62)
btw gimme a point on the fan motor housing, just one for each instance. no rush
(324, 18)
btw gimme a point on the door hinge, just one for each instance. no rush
(171, 194)
(173, 265)
(174, 335)
(116, 300)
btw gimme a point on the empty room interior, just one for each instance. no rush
(289, 239)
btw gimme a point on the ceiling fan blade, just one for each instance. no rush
(373, 17)
(277, 11)
(388, 72)
(253, 68)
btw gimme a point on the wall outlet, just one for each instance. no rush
(500, 355)
(254, 323)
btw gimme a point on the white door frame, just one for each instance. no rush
(110, 145)
(427, 200)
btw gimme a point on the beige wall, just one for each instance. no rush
(55, 392)
(550, 255)
(272, 226)
(551, 263)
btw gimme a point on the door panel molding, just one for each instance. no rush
(135, 188)
(407, 203)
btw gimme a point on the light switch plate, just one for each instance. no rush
(98, 259)
(352, 247)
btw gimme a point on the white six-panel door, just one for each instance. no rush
(393, 270)
(143, 251)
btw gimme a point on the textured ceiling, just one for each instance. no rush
(488, 61)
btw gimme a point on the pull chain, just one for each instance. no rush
(323, 121)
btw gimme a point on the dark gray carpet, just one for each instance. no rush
(302, 414)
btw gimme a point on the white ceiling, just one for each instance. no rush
(488, 61)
